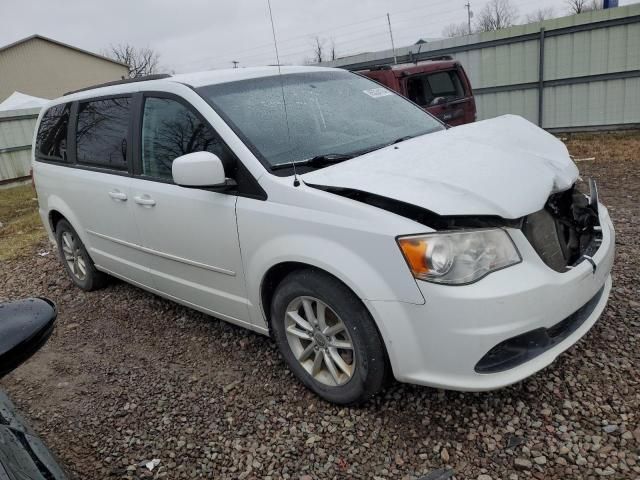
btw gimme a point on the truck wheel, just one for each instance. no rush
(328, 338)
(76, 260)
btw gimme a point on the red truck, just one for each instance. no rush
(440, 86)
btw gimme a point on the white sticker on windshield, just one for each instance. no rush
(377, 92)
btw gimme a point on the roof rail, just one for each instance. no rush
(388, 66)
(441, 57)
(376, 67)
(158, 76)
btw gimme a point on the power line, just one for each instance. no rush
(341, 43)
(361, 41)
(379, 19)
(352, 40)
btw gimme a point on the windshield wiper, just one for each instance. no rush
(331, 158)
(317, 161)
(388, 144)
(401, 139)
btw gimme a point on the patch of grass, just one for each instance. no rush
(21, 227)
(604, 146)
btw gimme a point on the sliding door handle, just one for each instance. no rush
(144, 200)
(118, 195)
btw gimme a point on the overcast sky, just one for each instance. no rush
(193, 35)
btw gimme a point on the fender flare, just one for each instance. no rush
(55, 203)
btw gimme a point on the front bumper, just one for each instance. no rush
(440, 343)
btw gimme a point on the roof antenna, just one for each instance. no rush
(296, 181)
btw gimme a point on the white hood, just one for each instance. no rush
(505, 166)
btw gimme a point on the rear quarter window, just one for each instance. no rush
(51, 140)
(102, 133)
(445, 84)
(424, 89)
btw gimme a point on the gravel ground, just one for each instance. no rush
(128, 377)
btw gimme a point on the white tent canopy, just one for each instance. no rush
(21, 101)
(18, 116)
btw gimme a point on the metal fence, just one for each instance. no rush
(16, 136)
(574, 73)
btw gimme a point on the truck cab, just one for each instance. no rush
(439, 86)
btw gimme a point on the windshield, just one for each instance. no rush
(329, 113)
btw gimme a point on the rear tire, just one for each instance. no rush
(328, 338)
(76, 260)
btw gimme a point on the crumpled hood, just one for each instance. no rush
(505, 166)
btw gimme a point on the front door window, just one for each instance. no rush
(170, 130)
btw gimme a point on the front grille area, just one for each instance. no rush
(566, 230)
(522, 348)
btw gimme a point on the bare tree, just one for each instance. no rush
(580, 6)
(333, 54)
(540, 15)
(141, 61)
(456, 30)
(495, 15)
(318, 50)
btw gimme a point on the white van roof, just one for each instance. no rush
(197, 79)
(234, 74)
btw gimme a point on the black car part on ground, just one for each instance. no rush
(22, 453)
(25, 325)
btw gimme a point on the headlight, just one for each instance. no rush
(456, 258)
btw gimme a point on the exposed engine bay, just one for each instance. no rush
(567, 230)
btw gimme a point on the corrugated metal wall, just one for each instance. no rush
(589, 77)
(16, 135)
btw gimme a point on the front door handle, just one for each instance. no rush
(118, 195)
(144, 200)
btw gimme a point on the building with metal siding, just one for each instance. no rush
(47, 68)
(578, 72)
(16, 136)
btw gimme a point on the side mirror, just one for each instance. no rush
(199, 169)
(438, 101)
(25, 326)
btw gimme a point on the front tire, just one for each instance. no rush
(328, 338)
(76, 260)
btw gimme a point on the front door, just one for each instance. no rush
(189, 234)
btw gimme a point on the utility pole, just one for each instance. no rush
(393, 47)
(469, 15)
(235, 63)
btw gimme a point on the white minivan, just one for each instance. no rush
(317, 206)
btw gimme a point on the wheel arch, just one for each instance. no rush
(57, 209)
(54, 217)
(274, 276)
(278, 272)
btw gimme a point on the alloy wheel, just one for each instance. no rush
(320, 341)
(72, 251)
